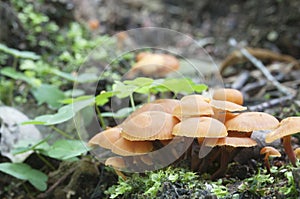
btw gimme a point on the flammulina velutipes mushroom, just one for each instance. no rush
(219, 122)
(286, 128)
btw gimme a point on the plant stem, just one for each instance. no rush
(102, 123)
(61, 132)
(132, 102)
(46, 161)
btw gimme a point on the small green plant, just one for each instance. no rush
(259, 184)
(150, 184)
(24, 172)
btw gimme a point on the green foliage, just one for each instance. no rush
(263, 184)
(66, 149)
(48, 94)
(65, 113)
(259, 184)
(218, 189)
(25, 172)
(151, 183)
(63, 149)
(19, 54)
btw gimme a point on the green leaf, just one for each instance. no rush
(24, 146)
(139, 82)
(25, 172)
(78, 99)
(48, 94)
(123, 90)
(103, 98)
(178, 85)
(19, 54)
(143, 84)
(64, 113)
(122, 113)
(12, 73)
(66, 149)
(199, 88)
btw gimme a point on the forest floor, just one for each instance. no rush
(271, 25)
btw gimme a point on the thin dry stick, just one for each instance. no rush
(273, 102)
(60, 180)
(258, 64)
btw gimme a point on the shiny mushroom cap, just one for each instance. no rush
(270, 151)
(297, 153)
(125, 147)
(200, 127)
(116, 162)
(163, 105)
(106, 138)
(226, 106)
(151, 64)
(193, 106)
(149, 125)
(230, 141)
(228, 94)
(251, 121)
(287, 126)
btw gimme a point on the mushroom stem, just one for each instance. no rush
(223, 164)
(267, 163)
(207, 161)
(288, 149)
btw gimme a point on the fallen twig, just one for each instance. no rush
(268, 104)
(258, 64)
(60, 180)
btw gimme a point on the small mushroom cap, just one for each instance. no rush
(287, 126)
(130, 148)
(116, 162)
(226, 106)
(106, 138)
(297, 153)
(167, 104)
(252, 121)
(230, 141)
(228, 94)
(270, 151)
(163, 105)
(193, 106)
(223, 116)
(198, 127)
(151, 64)
(149, 125)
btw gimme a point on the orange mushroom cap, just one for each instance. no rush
(297, 153)
(287, 126)
(228, 94)
(151, 64)
(149, 125)
(251, 121)
(193, 105)
(226, 106)
(230, 141)
(130, 148)
(106, 138)
(163, 105)
(270, 151)
(116, 162)
(198, 127)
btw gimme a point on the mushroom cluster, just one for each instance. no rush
(219, 124)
